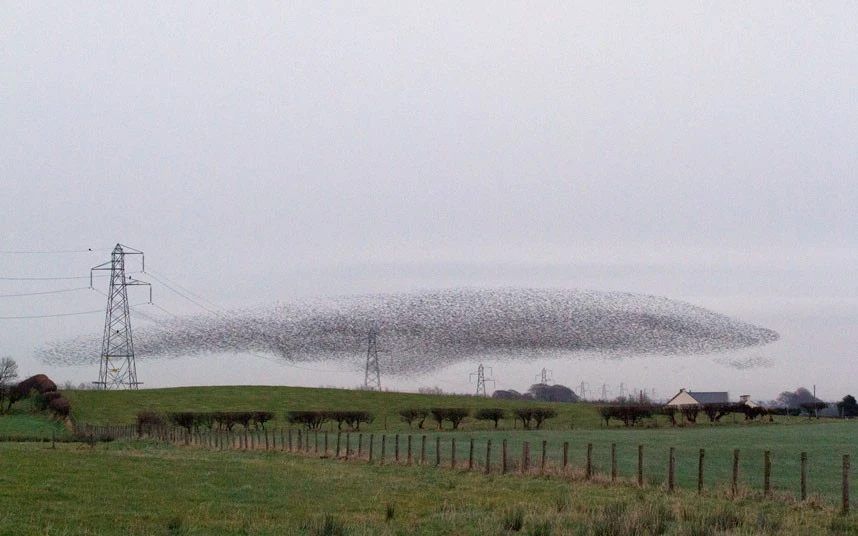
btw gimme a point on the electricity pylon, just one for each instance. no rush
(545, 377)
(117, 369)
(372, 377)
(481, 379)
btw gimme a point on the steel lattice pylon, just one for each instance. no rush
(481, 379)
(117, 369)
(372, 377)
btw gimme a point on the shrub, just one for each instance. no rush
(629, 414)
(183, 419)
(262, 417)
(490, 414)
(148, 421)
(313, 420)
(43, 400)
(525, 415)
(60, 406)
(39, 383)
(411, 415)
(454, 415)
(540, 415)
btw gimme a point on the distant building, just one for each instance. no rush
(746, 399)
(698, 398)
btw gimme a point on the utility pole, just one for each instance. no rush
(117, 367)
(481, 379)
(372, 377)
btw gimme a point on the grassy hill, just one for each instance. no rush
(120, 407)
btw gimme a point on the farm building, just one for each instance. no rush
(698, 398)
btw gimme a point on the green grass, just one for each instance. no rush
(29, 426)
(145, 488)
(120, 407)
(578, 424)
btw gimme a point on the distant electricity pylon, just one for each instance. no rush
(117, 369)
(481, 379)
(372, 377)
(584, 389)
(545, 376)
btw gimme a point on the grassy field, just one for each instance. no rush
(578, 424)
(143, 488)
(118, 407)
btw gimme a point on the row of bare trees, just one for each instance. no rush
(631, 414)
(528, 416)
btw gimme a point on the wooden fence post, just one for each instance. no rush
(348, 444)
(589, 472)
(845, 484)
(437, 451)
(544, 456)
(339, 438)
(453, 453)
(488, 456)
(525, 454)
(804, 476)
(767, 473)
(300, 445)
(613, 462)
(503, 458)
(471, 455)
(290, 439)
(396, 448)
(423, 450)
(671, 469)
(383, 447)
(700, 471)
(409, 458)
(371, 444)
(734, 485)
(360, 446)
(565, 455)
(325, 445)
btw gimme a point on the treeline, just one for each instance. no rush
(194, 421)
(528, 416)
(631, 414)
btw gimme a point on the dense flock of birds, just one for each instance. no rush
(425, 331)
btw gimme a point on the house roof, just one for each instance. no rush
(710, 397)
(687, 398)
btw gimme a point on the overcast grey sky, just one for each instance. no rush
(271, 151)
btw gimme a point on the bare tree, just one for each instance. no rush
(8, 375)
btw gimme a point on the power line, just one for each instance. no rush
(57, 315)
(50, 251)
(42, 293)
(48, 278)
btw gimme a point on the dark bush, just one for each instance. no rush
(411, 415)
(183, 419)
(147, 421)
(313, 420)
(629, 414)
(42, 401)
(60, 406)
(511, 395)
(262, 417)
(490, 414)
(454, 415)
(39, 384)
(540, 415)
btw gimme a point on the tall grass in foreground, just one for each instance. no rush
(148, 488)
